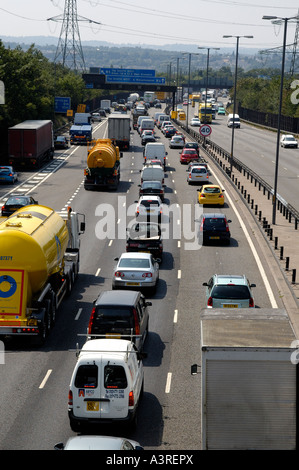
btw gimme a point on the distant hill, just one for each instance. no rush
(105, 54)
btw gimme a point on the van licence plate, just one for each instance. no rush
(93, 406)
(230, 306)
(214, 238)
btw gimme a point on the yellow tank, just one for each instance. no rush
(103, 154)
(32, 240)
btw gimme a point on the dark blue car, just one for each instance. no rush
(8, 175)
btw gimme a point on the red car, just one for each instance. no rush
(188, 155)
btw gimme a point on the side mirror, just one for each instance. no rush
(204, 283)
(148, 304)
(194, 369)
(252, 285)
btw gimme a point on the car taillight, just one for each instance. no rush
(119, 274)
(147, 275)
(91, 320)
(251, 302)
(137, 328)
(70, 398)
(190, 175)
(131, 398)
(210, 302)
(221, 195)
(201, 225)
(2, 208)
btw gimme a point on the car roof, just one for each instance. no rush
(214, 215)
(230, 279)
(150, 198)
(96, 443)
(119, 297)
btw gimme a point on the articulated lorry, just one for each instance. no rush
(119, 127)
(39, 262)
(30, 143)
(103, 165)
(248, 380)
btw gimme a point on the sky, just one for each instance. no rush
(156, 22)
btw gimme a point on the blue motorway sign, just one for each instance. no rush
(142, 80)
(62, 104)
(128, 72)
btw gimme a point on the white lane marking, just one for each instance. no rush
(78, 314)
(175, 317)
(168, 382)
(45, 379)
(254, 252)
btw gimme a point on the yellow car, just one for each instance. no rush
(211, 194)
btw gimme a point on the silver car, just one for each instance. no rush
(140, 270)
(198, 174)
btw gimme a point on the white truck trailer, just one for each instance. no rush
(119, 127)
(248, 380)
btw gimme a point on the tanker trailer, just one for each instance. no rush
(39, 262)
(103, 165)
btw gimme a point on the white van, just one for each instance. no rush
(106, 384)
(231, 120)
(139, 120)
(146, 125)
(155, 151)
(156, 115)
(152, 173)
(162, 118)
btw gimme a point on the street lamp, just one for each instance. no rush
(207, 77)
(235, 97)
(285, 20)
(177, 78)
(189, 54)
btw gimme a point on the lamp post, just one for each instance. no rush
(189, 54)
(285, 21)
(235, 96)
(177, 77)
(207, 78)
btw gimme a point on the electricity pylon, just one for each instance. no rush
(69, 50)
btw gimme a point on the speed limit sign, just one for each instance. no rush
(205, 130)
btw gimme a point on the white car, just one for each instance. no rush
(96, 117)
(195, 122)
(198, 174)
(94, 442)
(288, 141)
(176, 142)
(150, 207)
(136, 270)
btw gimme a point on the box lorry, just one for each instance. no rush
(103, 165)
(30, 143)
(38, 266)
(248, 379)
(119, 127)
(105, 104)
(80, 133)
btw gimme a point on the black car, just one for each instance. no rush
(214, 228)
(145, 138)
(192, 145)
(170, 132)
(120, 313)
(14, 203)
(145, 237)
(61, 142)
(152, 188)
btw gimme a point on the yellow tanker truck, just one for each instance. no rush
(103, 165)
(39, 261)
